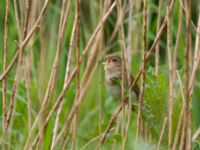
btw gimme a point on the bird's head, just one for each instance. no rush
(112, 62)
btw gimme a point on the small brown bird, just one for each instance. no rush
(113, 77)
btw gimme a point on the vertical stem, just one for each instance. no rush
(171, 94)
(17, 75)
(77, 47)
(123, 69)
(27, 79)
(143, 70)
(180, 120)
(157, 45)
(177, 41)
(162, 133)
(184, 137)
(4, 122)
(69, 61)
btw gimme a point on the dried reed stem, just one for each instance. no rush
(162, 133)
(69, 60)
(51, 82)
(150, 51)
(184, 137)
(73, 73)
(109, 127)
(17, 75)
(180, 120)
(196, 57)
(75, 123)
(157, 57)
(92, 140)
(90, 68)
(27, 79)
(171, 85)
(4, 119)
(128, 56)
(123, 49)
(196, 135)
(24, 42)
(177, 40)
(144, 47)
(17, 20)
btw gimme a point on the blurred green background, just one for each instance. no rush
(42, 49)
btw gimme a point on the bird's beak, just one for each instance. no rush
(103, 63)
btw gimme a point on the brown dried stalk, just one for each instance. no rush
(90, 68)
(108, 129)
(171, 85)
(189, 147)
(102, 52)
(73, 73)
(184, 137)
(147, 58)
(162, 133)
(196, 58)
(180, 120)
(144, 47)
(24, 42)
(128, 56)
(69, 60)
(150, 51)
(27, 79)
(177, 40)
(4, 120)
(157, 57)
(75, 123)
(51, 82)
(17, 20)
(123, 49)
(92, 140)
(191, 22)
(196, 135)
(17, 75)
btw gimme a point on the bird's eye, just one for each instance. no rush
(114, 60)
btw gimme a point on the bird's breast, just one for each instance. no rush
(114, 90)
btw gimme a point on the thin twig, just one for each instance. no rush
(177, 41)
(171, 85)
(17, 75)
(139, 114)
(183, 144)
(4, 120)
(77, 48)
(196, 58)
(162, 133)
(27, 79)
(150, 51)
(17, 20)
(111, 122)
(123, 69)
(157, 57)
(74, 71)
(69, 60)
(180, 120)
(24, 42)
(196, 135)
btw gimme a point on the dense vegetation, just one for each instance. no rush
(52, 84)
